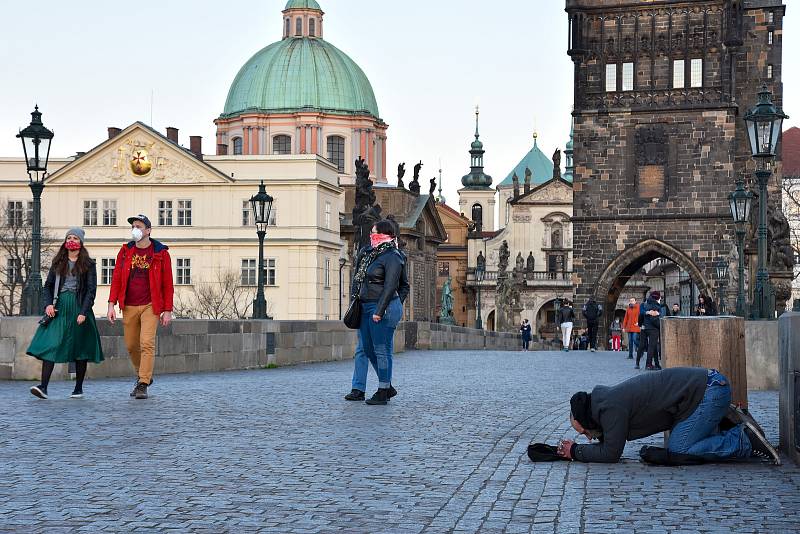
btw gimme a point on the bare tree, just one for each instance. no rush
(222, 298)
(791, 208)
(15, 253)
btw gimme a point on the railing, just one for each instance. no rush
(532, 278)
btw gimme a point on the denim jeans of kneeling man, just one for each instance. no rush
(376, 344)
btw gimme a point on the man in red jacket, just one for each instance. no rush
(631, 325)
(142, 285)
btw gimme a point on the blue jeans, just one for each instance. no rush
(698, 434)
(633, 342)
(376, 344)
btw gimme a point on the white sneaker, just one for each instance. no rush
(76, 395)
(38, 392)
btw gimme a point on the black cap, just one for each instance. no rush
(142, 218)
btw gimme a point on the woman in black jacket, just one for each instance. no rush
(71, 334)
(382, 284)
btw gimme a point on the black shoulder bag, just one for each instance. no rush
(46, 319)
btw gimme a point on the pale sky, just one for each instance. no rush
(91, 64)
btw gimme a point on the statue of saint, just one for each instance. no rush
(401, 171)
(504, 255)
(520, 262)
(481, 261)
(433, 186)
(557, 163)
(446, 312)
(530, 263)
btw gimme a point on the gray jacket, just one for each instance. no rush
(641, 406)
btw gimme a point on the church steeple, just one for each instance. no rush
(476, 179)
(570, 167)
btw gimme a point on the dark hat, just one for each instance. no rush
(142, 218)
(581, 407)
(655, 295)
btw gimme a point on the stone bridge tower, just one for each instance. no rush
(660, 91)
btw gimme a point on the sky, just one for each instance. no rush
(91, 64)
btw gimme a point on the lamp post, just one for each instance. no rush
(261, 204)
(36, 146)
(740, 202)
(480, 272)
(342, 263)
(764, 122)
(721, 268)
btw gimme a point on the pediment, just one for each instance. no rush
(554, 191)
(137, 156)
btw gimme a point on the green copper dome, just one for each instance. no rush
(301, 73)
(540, 165)
(302, 4)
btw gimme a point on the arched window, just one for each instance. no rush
(312, 27)
(336, 151)
(281, 144)
(237, 146)
(298, 27)
(288, 28)
(556, 236)
(477, 216)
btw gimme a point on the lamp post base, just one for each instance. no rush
(763, 299)
(31, 301)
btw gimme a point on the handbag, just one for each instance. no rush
(542, 452)
(46, 319)
(352, 318)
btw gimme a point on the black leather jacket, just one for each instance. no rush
(87, 289)
(566, 315)
(386, 279)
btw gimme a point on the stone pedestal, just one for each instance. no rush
(711, 342)
(789, 369)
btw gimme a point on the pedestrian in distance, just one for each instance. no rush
(381, 282)
(142, 286)
(583, 340)
(650, 315)
(630, 325)
(68, 333)
(689, 402)
(616, 335)
(591, 312)
(676, 310)
(566, 320)
(705, 306)
(525, 331)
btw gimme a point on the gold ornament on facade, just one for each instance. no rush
(140, 162)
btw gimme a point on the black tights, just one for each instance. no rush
(80, 373)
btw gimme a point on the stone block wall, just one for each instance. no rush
(789, 397)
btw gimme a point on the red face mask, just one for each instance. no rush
(378, 239)
(73, 245)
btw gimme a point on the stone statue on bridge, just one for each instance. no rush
(504, 255)
(365, 212)
(401, 171)
(446, 311)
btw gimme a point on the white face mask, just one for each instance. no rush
(137, 234)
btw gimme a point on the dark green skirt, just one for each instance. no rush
(63, 340)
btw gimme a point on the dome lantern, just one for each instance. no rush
(302, 18)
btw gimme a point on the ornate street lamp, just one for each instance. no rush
(721, 268)
(342, 263)
(764, 122)
(36, 147)
(740, 202)
(480, 273)
(261, 204)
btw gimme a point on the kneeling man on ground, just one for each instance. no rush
(689, 402)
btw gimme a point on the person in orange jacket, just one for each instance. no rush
(631, 325)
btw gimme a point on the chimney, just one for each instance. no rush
(196, 146)
(172, 134)
(113, 131)
(222, 149)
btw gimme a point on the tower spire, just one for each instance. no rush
(477, 116)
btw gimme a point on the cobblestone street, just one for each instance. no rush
(279, 450)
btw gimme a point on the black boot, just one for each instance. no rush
(392, 391)
(355, 395)
(380, 397)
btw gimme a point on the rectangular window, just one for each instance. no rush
(109, 213)
(90, 213)
(15, 213)
(697, 73)
(184, 213)
(165, 213)
(14, 271)
(328, 215)
(327, 273)
(770, 36)
(270, 272)
(769, 72)
(611, 78)
(29, 213)
(627, 76)
(247, 218)
(273, 215)
(770, 17)
(678, 74)
(183, 272)
(107, 270)
(249, 272)
(444, 268)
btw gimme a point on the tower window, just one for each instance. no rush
(611, 77)
(477, 216)
(770, 17)
(697, 73)
(678, 75)
(627, 76)
(770, 37)
(237, 146)
(312, 27)
(287, 28)
(769, 72)
(336, 151)
(298, 27)
(282, 144)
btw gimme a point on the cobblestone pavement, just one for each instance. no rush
(280, 451)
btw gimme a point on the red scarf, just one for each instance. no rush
(379, 239)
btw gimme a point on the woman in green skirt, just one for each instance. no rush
(71, 335)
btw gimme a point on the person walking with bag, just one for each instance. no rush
(379, 288)
(525, 331)
(566, 318)
(591, 312)
(68, 332)
(142, 285)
